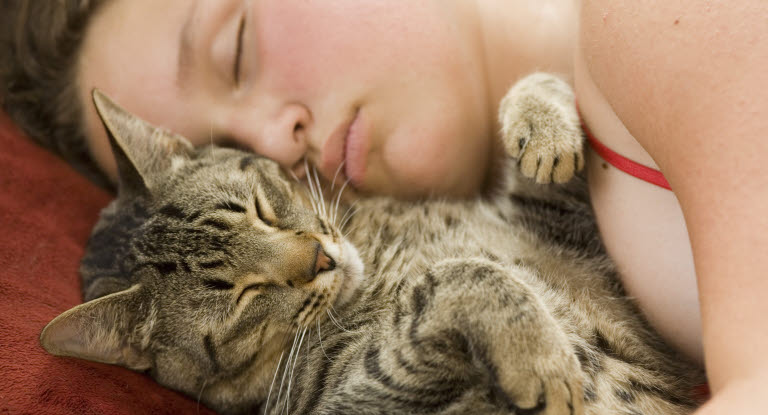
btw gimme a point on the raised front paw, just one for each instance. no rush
(541, 128)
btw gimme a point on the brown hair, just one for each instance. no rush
(40, 42)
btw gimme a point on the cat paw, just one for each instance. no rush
(547, 391)
(541, 128)
(536, 366)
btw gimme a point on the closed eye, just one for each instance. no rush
(260, 212)
(257, 287)
(235, 207)
(218, 285)
(218, 222)
(231, 207)
(239, 51)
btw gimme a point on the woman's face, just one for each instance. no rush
(391, 94)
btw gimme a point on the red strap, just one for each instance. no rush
(624, 164)
(701, 393)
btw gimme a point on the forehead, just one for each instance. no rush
(132, 44)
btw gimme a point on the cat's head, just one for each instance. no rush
(229, 263)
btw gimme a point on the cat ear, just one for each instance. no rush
(101, 330)
(142, 150)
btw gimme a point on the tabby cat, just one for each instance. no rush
(224, 278)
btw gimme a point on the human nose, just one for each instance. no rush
(280, 136)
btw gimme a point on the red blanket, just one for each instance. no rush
(46, 213)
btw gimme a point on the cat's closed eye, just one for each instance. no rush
(253, 287)
(218, 285)
(262, 212)
(231, 207)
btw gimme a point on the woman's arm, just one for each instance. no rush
(689, 81)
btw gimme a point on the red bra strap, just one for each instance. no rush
(624, 164)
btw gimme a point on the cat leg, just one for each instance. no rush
(472, 323)
(541, 128)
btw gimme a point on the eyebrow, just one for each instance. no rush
(186, 55)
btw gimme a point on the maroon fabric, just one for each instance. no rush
(46, 213)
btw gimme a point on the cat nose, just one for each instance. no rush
(322, 262)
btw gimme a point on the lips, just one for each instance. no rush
(347, 144)
(356, 151)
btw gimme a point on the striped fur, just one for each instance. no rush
(506, 304)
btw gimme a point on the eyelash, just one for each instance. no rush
(239, 50)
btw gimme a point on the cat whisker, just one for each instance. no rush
(336, 322)
(348, 215)
(333, 311)
(312, 189)
(295, 177)
(323, 211)
(335, 175)
(317, 323)
(343, 224)
(290, 375)
(338, 202)
(349, 230)
(287, 365)
(272, 385)
(210, 133)
(315, 189)
(313, 198)
(200, 395)
(330, 317)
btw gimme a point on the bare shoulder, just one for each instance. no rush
(687, 79)
(687, 62)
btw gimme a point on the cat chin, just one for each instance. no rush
(352, 273)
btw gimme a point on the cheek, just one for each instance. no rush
(437, 160)
(441, 144)
(178, 370)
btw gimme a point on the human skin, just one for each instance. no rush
(426, 78)
(697, 103)
(630, 67)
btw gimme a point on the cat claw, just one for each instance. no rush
(541, 129)
(551, 395)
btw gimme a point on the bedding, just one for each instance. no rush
(46, 213)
